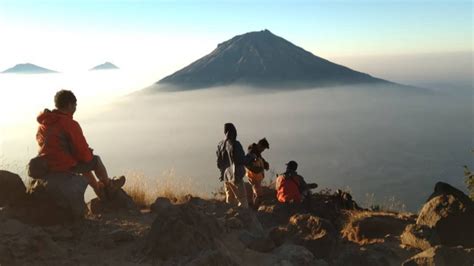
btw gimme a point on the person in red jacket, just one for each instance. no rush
(291, 187)
(65, 148)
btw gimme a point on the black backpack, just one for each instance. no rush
(222, 156)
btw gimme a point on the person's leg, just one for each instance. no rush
(100, 171)
(96, 166)
(98, 187)
(241, 193)
(230, 196)
(257, 192)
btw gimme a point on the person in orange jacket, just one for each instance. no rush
(256, 169)
(291, 187)
(62, 143)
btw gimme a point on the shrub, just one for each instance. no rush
(469, 181)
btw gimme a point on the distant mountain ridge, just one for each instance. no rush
(104, 66)
(263, 59)
(28, 68)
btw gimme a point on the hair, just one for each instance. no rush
(63, 98)
(230, 131)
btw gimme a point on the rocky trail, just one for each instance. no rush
(196, 231)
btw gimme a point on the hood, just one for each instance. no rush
(48, 117)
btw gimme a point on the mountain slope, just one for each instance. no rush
(104, 66)
(28, 69)
(263, 59)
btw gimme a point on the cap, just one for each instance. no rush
(292, 165)
(264, 143)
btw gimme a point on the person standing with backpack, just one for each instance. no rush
(231, 161)
(256, 169)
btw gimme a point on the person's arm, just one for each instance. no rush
(266, 165)
(81, 150)
(239, 155)
(306, 186)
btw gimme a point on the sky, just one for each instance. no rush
(163, 36)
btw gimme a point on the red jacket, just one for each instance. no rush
(60, 138)
(288, 188)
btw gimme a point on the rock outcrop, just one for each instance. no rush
(181, 232)
(450, 213)
(420, 237)
(22, 244)
(443, 256)
(57, 198)
(369, 227)
(316, 234)
(118, 201)
(12, 189)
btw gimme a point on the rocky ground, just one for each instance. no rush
(197, 231)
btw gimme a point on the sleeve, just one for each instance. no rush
(80, 147)
(266, 165)
(240, 157)
(303, 184)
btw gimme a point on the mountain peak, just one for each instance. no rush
(104, 66)
(261, 58)
(28, 68)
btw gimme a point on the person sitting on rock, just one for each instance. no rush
(256, 168)
(65, 149)
(291, 187)
(231, 161)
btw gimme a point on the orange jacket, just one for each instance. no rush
(60, 138)
(253, 176)
(288, 188)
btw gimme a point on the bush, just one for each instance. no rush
(144, 190)
(469, 181)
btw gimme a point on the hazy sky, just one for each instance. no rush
(162, 36)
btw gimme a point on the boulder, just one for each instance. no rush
(316, 234)
(23, 244)
(443, 256)
(57, 198)
(442, 188)
(183, 231)
(278, 235)
(370, 227)
(377, 254)
(212, 258)
(12, 189)
(275, 214)
(290, 254)
(248, 220)
(160, 204)
(419, 236)
(119, 201)
(450, 213)
(260, 244)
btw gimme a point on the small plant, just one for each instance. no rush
(469, 181)
(390, 204)
(144, 190)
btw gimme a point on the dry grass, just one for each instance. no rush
(389, 204)
(144, 190)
